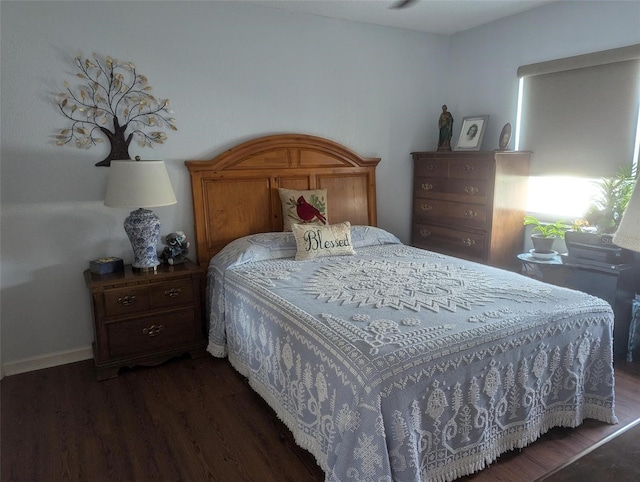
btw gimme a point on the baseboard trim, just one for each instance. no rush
(46, 361)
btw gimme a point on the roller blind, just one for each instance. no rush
(579, 115)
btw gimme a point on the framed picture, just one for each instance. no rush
(505, 137)
(472, 132)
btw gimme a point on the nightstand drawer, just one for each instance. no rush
(172, 293)
(127, 300)
(152, 333)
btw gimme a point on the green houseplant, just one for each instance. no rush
(591, 238)
(544, 234)
(611, 199)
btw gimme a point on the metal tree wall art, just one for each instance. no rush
(115, 102)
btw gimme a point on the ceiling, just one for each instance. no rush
(444, 17)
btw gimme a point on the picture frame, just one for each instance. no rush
(505, 137)
(472, 132)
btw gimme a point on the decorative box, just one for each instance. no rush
(106, 265)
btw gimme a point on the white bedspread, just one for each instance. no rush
(406, 365)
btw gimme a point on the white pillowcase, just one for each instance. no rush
(318, 241)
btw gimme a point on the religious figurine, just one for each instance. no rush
(445, 124)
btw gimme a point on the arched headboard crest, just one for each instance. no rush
(236, 193)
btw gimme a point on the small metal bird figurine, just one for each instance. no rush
(307, 212)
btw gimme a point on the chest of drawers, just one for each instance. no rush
(471, 204)
(146, 318)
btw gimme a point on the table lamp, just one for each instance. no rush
(628, 233)
(140, 184)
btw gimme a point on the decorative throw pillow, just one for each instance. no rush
(303, 207)
(318, 241)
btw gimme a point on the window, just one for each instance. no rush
(579, 116)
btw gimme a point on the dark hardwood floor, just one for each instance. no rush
(197, 420)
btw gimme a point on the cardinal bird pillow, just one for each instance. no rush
(318, 241)
(303, 207)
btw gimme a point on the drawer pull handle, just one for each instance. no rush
(470, 213)
(468, 167)
(471, 190)
(153, 330)
(468, 242)
(173, 292)
(432, 167)
(425, 233)
(127, 300)
(426, 186)
(426, 207)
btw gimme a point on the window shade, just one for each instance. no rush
(579, 115)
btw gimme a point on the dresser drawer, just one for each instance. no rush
(470, 169)
(455, 242)
(430, 186)
(128, 300)
(461, 190)
(172, 293)
(432, 168)
(469, 190)
(427, 211)
(461, 167)
(151, 333)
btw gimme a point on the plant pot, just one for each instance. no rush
(541, 243)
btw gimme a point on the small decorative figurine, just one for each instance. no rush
(445, 124)
(176, 250)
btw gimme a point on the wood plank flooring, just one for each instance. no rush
(197, 420)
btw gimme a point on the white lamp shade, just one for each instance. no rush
(138, 184)
(628, 233)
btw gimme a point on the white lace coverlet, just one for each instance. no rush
(399, 364)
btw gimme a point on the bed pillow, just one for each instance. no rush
(363, 236)
(303, 207)
(318, 241)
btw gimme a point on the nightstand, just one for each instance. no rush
(615, 283)
(547, 270)
(146, 318)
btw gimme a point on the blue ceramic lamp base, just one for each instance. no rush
(143, 228)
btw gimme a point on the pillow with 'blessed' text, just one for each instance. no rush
(318, 241)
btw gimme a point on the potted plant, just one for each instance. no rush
(544, 234)
(610, 201)
(591, 238)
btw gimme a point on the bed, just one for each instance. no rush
(385, 361)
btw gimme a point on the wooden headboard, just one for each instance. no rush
(236, 193)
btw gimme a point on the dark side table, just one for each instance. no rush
(616, 284)
(547, 270)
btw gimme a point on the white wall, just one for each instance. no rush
(483, 73)
(233, 72)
